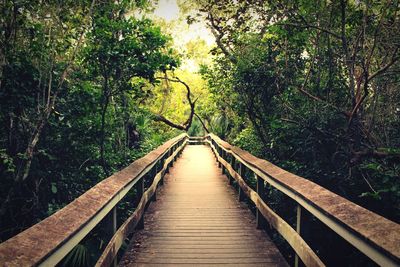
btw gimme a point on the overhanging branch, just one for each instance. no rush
(202, 123)
(186, 125)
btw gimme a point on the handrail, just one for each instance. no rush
(375, 236)
(47, 242)
(111, 251)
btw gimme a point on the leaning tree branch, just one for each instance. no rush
(158, 117)
(367, 79)
(394, 59)
(186, 125)
(202, 122)
(313, 97)
(358, 156)
(219, 34)
(337, 36)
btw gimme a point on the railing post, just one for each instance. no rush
(240, 172)
(139, 194)
(219, 153)
(223, 155)
(154, 173)
(261, 221)
(232, 163)
(179, 152)
(298, 230)
(114, 230)
(216, 151)
(173, 159)
(168, 155)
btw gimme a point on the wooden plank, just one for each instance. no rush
(207, 265)
(247, 260)
(195, 224)
(201, 250)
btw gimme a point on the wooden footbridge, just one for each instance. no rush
(186, 213)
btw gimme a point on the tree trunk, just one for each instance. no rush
(106, 100)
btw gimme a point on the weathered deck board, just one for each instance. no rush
(197, 220)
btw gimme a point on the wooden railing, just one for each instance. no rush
(49, 241)
(376, 237)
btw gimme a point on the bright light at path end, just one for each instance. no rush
(167, 9)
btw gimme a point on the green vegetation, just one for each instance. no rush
(313, 88)
(73, 77)
(86, 87)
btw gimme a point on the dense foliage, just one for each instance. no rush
(73, 75)
(312, 86)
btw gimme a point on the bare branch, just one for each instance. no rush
(161, 118)
(186, 125)
(358, 156)
(395, 58)
(202, 123)
(313, 97)
(218, 34)
(311, 26)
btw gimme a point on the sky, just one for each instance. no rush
(181, 32)
(167, 9)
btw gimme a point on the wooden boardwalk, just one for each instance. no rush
(197, 220)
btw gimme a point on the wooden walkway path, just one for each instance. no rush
(197, 220)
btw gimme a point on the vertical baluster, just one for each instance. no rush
(298, 229)
(114, 230)
(261, 221)
(241, 172)
(232, 163)
(110, 223)
(219, 150)
(178, 152)
(166, 158)
(172, 152)
(216, 151)
(223, 155)
(181, 151)
(139, 194)
(161, 167)
(154, 172)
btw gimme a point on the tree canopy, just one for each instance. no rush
(86, 87)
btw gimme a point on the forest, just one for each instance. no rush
(88, 86)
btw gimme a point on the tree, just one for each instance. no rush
(121, 49)
(58, 64)
(309, 77)
(37, 54)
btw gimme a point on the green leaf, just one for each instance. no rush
(53, 188)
